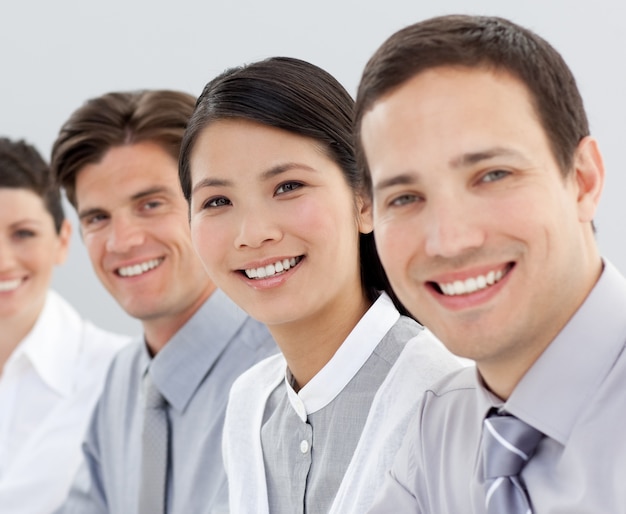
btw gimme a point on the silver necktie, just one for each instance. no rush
(154, 450)
(507, 445)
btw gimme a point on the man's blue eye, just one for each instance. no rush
(495, 175)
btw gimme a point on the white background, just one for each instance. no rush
(56, 54)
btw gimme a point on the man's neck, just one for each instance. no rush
(502, 374)
(159, 330)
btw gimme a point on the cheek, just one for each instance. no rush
(309, 217)
(96, 250)
(95, 247)
(40, 259)
(331, 218)
(395, 243)
(210, 241)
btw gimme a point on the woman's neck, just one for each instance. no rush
(13, 331)
(309, 344)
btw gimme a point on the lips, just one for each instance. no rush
(275, 268)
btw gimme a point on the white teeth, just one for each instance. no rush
(471, 285)
(272, 269)
(138, 269)
(9, 285)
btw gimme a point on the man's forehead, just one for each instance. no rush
(129, 192)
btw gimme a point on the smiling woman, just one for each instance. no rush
(52, 363)
(279, 219)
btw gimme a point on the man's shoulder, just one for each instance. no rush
(263, 375)
(457, 384)
(255, 335)
(126, 364)
(219, 317)
(103, 341)
(448, 413)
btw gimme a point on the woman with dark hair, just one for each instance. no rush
(279, 219)
(52, 363)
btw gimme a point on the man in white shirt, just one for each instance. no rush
(485, 182)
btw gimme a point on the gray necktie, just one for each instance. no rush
(507, 445)
(154, 448)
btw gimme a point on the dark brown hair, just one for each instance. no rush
(480, 41)
(300, 98)
(116, 119)
(22, 167)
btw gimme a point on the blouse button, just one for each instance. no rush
(304, 446)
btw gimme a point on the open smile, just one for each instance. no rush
(9, 285)
(272, 269)
(140, 268)
(472, 284)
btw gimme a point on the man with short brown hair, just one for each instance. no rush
(485, 182)
(154, 445)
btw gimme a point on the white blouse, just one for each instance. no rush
(48, 388)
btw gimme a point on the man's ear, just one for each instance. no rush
(364, 209)
(589, 175)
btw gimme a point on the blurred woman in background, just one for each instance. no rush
(52, 363)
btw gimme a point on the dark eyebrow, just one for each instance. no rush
(136, 196)
(266, 175)
(404, 179)
(282, 168)
(463, 161)
(211, 182)
(469, 159)
(149, 192)
(89, 212)
(25, 221)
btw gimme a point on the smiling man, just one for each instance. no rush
(475, 143)
(154, 445)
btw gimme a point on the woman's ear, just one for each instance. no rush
(64, 237)
(364, 209)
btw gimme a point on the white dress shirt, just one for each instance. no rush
(574, 393)
(48, 389)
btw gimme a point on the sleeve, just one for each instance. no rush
(394, 495)
(87, 493)
(398, 493)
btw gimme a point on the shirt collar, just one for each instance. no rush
(570, 370)
(53, 344)
(181, 365)
(348, 359)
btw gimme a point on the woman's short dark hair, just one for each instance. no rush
(22, 167)
(300, 98)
